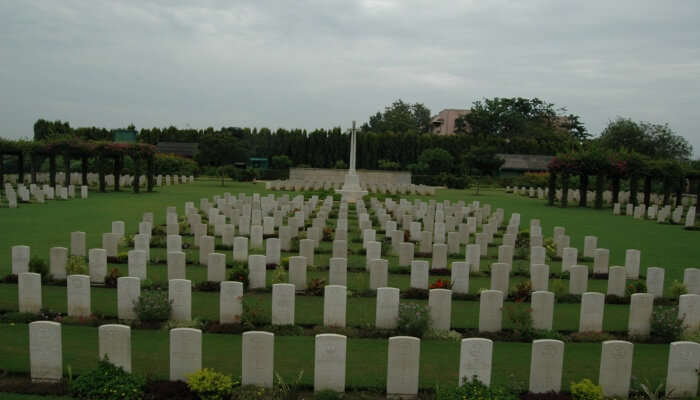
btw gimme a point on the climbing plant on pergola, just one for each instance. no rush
(618, 166)
(74, 148)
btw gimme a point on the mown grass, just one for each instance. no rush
(49, 225)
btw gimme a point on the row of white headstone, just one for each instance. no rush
(661, 215)
(403, 364)
(335, 305)
(40, 194)
(76, 178)
(302, 185)
(624, 197)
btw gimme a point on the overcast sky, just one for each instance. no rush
(319, 64)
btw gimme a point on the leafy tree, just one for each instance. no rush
(437, 160)
(652, 140)
(221, 149)
(44, 130)
(280, 162)
(482, 160)
(389, 165)
(520, 125)
(400, 117)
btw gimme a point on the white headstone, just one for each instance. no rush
(334, 306)
(616, 368)
(257, 351)
(403, 366)
(542, 303)
(128, 293)
(180, 296)
(230, 302)
(546, 365)
(77, 244)
(115, 345)
(387, 309)
(591, 316)
(283, 304)
(176, 265)
(683, 363)
(29, 292)
(475, 359)
(329, 362)
(490, 310)
(185, 352)
(58, 258)
(45, 351)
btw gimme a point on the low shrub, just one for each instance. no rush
(414, 319)
(239, 273)
(522, 291)
(253, 315)
(279, 275)
(209, 384)
(665, 324)
(586, 390)
(678, 289)
(441, 284)
(153, 305)
(520, 316)
(316, 286)
(327, 395)
(112, 277)
(167, 390)
(40, 267)
(76, 265)
(635, 287)
(108, 381)
(590, 337)
(473, 389)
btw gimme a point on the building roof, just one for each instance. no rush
(179, 149)
(525, 162)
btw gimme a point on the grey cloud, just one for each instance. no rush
(313, 64)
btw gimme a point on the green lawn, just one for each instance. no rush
(48, 225)
(366, 358)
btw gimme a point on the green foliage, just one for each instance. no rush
(665, 324)
(112, 277)
(414, 319)
(39, 266)
(170, 164)
(280, 162)
(473, 389)
(279, 275)
(635, 287)
(327, 395)
(400, 117)
(153, 305)
(586, 390)
(558, 287)
(76, 265)
(678, 289)
(437, 161)
(209, 384)
(288, 391)
(253, 315)
(653, 140)
(239, 273)
(108, 381)
(521, 318)
(388, 165)
(482, 160)
(340, 164)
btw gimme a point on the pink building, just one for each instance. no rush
(444, 122)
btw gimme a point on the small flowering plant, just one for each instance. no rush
(441, 284)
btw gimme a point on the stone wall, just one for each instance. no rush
(338, 175)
